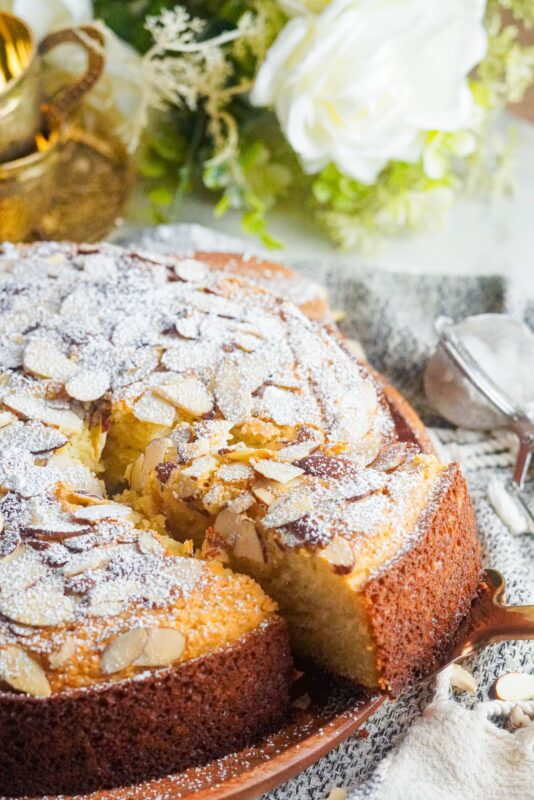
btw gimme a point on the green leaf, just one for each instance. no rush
(151, 167)
(160, 196)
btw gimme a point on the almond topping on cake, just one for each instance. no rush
(151, 408)
(163, 646)
(227, 525)
(60, 657)
(248, 544)
(123, 651)
(35, 408)
(39, 606)
(22, 672)
(190, 269)
(154, 454)
(276, 470)
(340, 554)
(102, 511)
(288, 508)
(187, 394)
(233, 397)
(88, 385)
(45, 359)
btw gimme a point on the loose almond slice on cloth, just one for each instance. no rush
(515, 687)
(462, 679)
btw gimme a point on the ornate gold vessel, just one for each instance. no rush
(26, 187)
(21, 90)
(59, 179)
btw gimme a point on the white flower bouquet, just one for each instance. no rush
(372, 115)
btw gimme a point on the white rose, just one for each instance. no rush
(359, 83)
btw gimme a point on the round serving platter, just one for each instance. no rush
(324, 713)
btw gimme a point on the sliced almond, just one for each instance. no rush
(45, 359)
(22, 672)
(187, 394)
(82, 498)
(391, 458)
(60, 657)
(102, 511)
(6, 418)
(227, 525)
(151, 408)
(38, 409)
(123, 651)
(201, 467)
(515, 687)
(149, 544)
(337, 793)
(293, 452)
(216, 497)
(154, 454)
(41, 608)
(248, 544)
(242, 502)
(233, 397)
(97, 558)
(288, 508)
(188, 326)
(163, 646)
(339, 553)
(136, 474)
(240, 452)
(263, 494)
(88, 385)
(234, 473)
(183, 486)
(276, 470)
(462, 679)
(190, 269)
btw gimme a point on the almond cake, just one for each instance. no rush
(191, 468)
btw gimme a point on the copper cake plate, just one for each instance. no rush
(333, 712)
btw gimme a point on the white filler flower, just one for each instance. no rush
(359, 82)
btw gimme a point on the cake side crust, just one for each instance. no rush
(147, 727)
(416, 605)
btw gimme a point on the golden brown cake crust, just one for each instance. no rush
(416, 605)
(167, 721)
